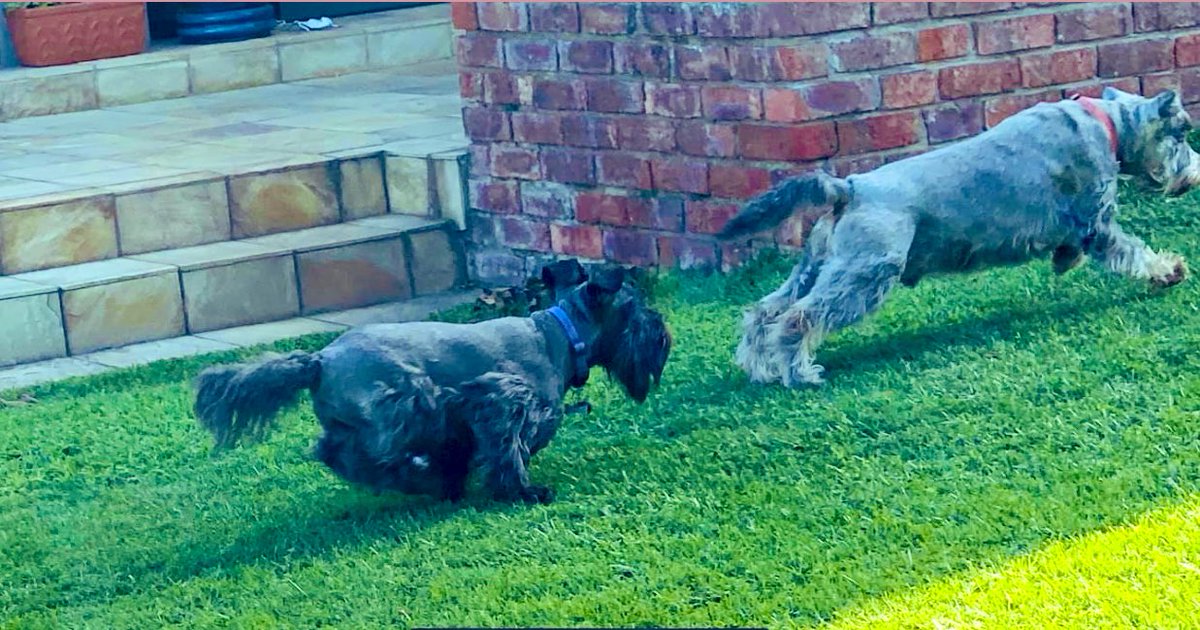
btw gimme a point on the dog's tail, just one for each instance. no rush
(774, 206)
(241, 400)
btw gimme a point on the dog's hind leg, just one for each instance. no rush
(510, 422)
(753, 353)
(867, 262)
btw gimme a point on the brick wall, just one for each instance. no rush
(631, 132)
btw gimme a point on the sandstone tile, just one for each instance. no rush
(401, 47)
(416, 309)
(325, 237)
(179, 216)
(362, 188)
(115, 314)
(151, 351)
(353, 276)
(32, 317)
(127, 84)
(240, 293)
(266, 203)
(235, 69)
(31, 374)
(211, 255)
(51, 94)
(260, 334)
(95, 273)
(408, 185)
(450, 180)
(55, 235)
(437, 264)
(55, 171)
(322, 57)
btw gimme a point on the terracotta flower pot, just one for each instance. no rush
(70, 33)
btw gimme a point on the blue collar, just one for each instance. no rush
(578, 347)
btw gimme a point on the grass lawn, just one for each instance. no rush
(1008, 449)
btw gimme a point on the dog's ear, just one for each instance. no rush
(563, 274)
(1167, 104)
(604, 284)
(1111, 94)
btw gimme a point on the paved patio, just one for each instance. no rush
(224, 133)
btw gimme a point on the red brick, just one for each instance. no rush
(705, 216)
(1187, 50)
(500, 88)
(486, 123)
(988, 77)
(502, 16)
(734, 255)
(559, 94)
(795, 63)
(519, 233)
(606, 19)
(869, 52)
(637, 58)
(587, 130)
(1189, 85)
(750, 63)
(787, 19)
(686, 252)
(630, 248)
(470, 85)
(833, 98)
(585, 241)
(497, 268)
(1001, 107)
(729, 19)
(943, 42)
(702, 63)
(518, 162)
(1133, 85)
(1138, 57)
(908, 89)
(495, 196)
(1153, 84)
(661, 213)
(554, 17)
(877, 133)
(624, 170)
(1058, 67)
(462, 16)
(530, 54)
(731, 102)
(479, 156)
(1100, 22)
(704, 139)
(680, 174)
(536, 127)
(673, 99)
(586, 56)
(479, 50)
(771, 142)
(895, 12)
(645, 134)
(951, 9)
(614, 95)
(547, 200)
(953, 121)
(1164, 16)
(737, 182)
(1012, 34)
(786, 105)
(844, 167)
(569, 166)
(667, 18)
(791, 233)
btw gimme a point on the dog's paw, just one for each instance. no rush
(537, 494)
(1175, 270)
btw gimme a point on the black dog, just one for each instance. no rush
(415, 407)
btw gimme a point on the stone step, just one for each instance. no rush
(83, 308)
(360, 43)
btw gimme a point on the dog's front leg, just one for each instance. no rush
(504, 412)
(1127, 255)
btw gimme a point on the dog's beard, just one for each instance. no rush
(638, 354)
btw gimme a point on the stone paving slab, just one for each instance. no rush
(31, 374)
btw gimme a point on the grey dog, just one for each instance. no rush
(1042, 182)
(414, 407)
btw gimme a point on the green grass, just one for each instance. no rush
(998, 437)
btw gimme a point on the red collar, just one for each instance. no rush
(1089, 105)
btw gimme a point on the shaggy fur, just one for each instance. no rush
(416, 407)
(1042, 182)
